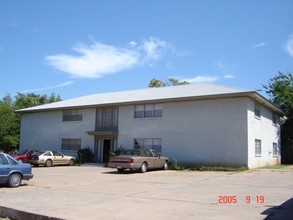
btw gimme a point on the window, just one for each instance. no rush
(148, 154)
(274, 118)
(158, 110)
(275, 150)
(257, 110)
(56, 153)
(11, 161)
(148, 111)
(257, 147)
(107, 118)
(71, 144)
(148, 143)
(3, 160)
(48, 154)
(72, 115)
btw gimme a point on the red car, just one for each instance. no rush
(23, 155)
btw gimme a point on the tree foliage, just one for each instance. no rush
(10, 121)
(170, 82)
(280, 91)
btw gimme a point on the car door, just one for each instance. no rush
(4, 169)
(58, 157)
(150, 159)
(158, 161)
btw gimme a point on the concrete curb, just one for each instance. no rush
(15, 214)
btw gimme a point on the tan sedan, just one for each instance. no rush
(141, 160)
(50, 158)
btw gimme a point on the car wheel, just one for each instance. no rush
(166, 165)
(48, 163)
(14, 180)
(120, 170)
(143, 168)
(71, 162)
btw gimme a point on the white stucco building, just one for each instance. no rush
(199, 124)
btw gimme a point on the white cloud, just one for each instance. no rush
(228, 76)
(49, 87)
(132, 43)
(288, 46)
(153, 49)
(99, 59)
(258, 45)
(200, 79)
(224, 68)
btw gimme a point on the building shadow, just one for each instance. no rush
(281, 212)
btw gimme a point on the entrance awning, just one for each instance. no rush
(102, 133)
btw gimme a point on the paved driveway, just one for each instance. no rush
(93, 192)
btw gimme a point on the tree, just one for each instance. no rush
(9, 126)
(10, 121)
(31, 99)
(170, 82)
(280, 91)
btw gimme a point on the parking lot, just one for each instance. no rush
(96, 192)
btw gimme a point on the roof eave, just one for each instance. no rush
(262, 100)
(154, 100)
(252, 94)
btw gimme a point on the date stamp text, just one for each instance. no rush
(234, 199)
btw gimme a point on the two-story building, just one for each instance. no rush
(198, 124)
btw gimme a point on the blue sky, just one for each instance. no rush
(80, 47)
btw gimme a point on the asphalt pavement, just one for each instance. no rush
(96, 192)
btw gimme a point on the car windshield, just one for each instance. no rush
(22, 152)
(131, 152)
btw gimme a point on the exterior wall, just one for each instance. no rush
(210, 132)
(262, 129)
(44, 130)
(204, 132)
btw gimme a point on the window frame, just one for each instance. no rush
(148, 143)
(257, 147)
(257, 110)
(74, 144)
(274, 118)
(148, 111)
(72, 115)
(275, 150)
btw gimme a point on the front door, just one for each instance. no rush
(106, 149)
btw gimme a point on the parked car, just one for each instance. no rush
(13, 172)
(23, 155)
(138, 159)
(50, 158)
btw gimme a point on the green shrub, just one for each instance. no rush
(220, 168)
(85, 155)
(114, 153)
(176, 166)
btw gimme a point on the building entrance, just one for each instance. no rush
(102, 148)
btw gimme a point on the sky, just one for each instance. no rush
(74, 48)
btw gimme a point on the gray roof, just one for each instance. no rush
(162, 94)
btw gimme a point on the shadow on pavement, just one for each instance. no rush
(9, 213)
(281, 212)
